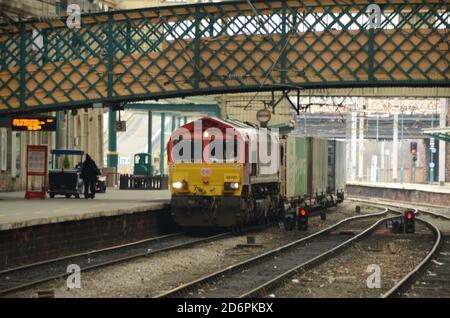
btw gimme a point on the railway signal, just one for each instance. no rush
(302, 219)
(397, 226)
(413, 150)
(409, 221)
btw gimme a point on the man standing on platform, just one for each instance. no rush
(89, 173)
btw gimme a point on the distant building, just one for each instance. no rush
(134, 4)
(15, 10)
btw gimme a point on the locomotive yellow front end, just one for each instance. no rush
(205, 195)
(207, 175)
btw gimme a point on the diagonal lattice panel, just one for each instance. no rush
(229, 47)
(9, 67)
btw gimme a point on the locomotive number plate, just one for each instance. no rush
(205, 172)
(231, 177)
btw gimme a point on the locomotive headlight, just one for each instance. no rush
(231, 185)
(179, 185)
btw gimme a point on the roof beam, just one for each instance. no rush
(207, 109)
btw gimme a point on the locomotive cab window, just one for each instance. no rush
(230, 150)
(178, 154)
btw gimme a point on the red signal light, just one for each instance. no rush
(409, 222)
(302, 212)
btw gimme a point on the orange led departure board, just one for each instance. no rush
(33, 124)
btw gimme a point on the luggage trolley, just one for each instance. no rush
(62, 181)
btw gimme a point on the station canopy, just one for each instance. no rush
(438, 133)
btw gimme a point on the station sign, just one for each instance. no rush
(125, 160)
(121, 126)
(263, 116)
(431, 142)
(33, 124)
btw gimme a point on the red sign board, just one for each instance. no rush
(37, 165)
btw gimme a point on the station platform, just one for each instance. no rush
(37, 230)
(17, 212)
(435, 195)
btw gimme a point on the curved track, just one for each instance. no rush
(256, 276)
(431, 277)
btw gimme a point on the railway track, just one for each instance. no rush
(18, 278)
(255, 277)
(268, 270)
(431, 277)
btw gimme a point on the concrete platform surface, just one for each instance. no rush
(404, 186)
(17, 212)
(434, 195)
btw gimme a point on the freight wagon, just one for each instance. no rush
(240, 186)
(336, 165)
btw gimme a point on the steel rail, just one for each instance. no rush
(262, 290)
(185, 288)
(390, 203)
(411, 277)
(91, 254)
(407, 280)
(404, 283)
(4, 280)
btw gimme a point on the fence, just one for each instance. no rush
(143, 182)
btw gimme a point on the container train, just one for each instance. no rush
(218, 176)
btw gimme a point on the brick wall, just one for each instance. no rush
(26, 8)
(42, 242)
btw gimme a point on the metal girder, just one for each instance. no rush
(212, 48)
(208, 109)
(438, 133)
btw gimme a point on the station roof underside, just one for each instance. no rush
(438, 133)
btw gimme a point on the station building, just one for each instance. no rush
(86, 130)
(80, 130)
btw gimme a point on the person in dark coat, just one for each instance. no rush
(89, 173)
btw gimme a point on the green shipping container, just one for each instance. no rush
(306, 166)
